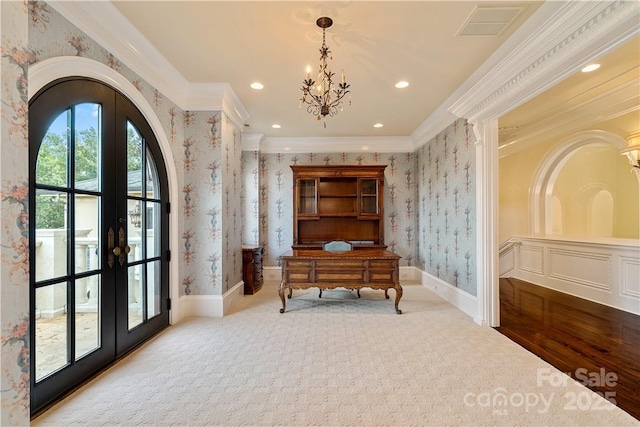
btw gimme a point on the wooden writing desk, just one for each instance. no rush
(364, 268)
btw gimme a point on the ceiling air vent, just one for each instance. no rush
(490, 20)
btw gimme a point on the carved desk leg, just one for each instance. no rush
(281, 293)
(398, 289)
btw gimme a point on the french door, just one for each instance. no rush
(98, 233)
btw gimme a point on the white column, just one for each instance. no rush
(488, 292)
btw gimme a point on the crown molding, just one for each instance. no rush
(377, 144)
(104, 23)
(568, 35)
(563, 120)
(447, 113)
(554, 42)
(432, 126)
(251, 141)
(216, 96)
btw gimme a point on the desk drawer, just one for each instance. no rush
(381, 276)
(298, 264)
(340, 264)
(340, 276)
(298, 276)
(385, 264)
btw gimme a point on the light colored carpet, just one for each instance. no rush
(334, 361)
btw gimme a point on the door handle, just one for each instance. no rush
(122, 249)
(119, 251)
(110, 250)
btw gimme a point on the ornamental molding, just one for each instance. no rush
(106, 25)
(564, 120)
(574, 34)
(368, 144)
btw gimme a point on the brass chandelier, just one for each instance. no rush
(324, 97)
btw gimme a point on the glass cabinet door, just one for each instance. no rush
(368, 197)
(308, 197)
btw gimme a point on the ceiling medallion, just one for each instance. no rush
(323, 96)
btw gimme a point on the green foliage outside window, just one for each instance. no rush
(51, 169)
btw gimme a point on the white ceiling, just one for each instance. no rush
(376, 43)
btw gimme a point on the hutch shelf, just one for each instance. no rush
(338, 203)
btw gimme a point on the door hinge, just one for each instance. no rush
(168, 207)
(168, 303)
(168, 255)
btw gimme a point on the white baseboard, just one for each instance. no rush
(456, 297)
(272, 274)
(211, 305)
(412, 274)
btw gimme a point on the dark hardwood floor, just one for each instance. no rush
(574, 334)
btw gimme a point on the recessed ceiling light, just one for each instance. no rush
(378, 125)
(256, 85)
(276, 126)
(590, 67)
(402, 84)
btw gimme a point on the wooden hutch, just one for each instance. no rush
(338, 203)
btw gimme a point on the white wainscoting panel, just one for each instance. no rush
(606, 271)
(582, 268)
(630, 277)
(507, 261)
(531, 259)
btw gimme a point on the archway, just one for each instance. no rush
(44, 72)
(541, 191)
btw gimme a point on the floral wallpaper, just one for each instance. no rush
(447, 207)
(205, 146)
(275, 195)
(210, 180)
(14, 215)
(250, 198)
(211, 204)
(429, 200)
(227, 197)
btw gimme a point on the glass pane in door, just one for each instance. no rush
(135, 278)
(153, 229)
(153, 185)
(87, 315)
(135, 208)
(153, 289)
(52, 162)
(134, 161)
(87, 146)
(87, 232)
(51, 329)
(51, 234)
